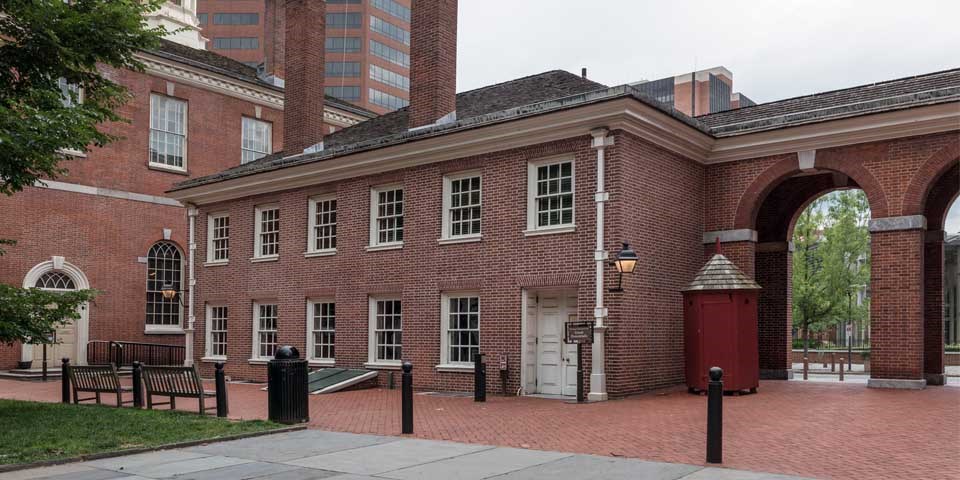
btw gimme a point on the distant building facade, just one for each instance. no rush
(367, 46)
(699, 93)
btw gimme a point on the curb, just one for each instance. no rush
(134, 451)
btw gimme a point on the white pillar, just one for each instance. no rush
(598, 376)
(191, 318)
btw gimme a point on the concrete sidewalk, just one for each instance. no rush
(314, 454)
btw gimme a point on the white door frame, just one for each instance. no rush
(524, 295)
(82, 324)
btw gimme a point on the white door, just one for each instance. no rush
(66, 335)
(570, 359)
(553, 356)
(530, 343)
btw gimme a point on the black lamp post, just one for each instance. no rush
(625, 262)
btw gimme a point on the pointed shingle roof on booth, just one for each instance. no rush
(721, 274)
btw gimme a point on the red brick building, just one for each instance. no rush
(367, 44)
(482, 221)
(108, 224)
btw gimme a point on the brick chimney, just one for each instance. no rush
(274, 22)
(303, 65)
(433, 62)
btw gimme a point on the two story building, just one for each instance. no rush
(484, 221)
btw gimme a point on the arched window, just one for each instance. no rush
(164, 265)
(54, 280)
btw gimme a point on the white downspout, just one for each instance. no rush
(191, 318)
(598, 376)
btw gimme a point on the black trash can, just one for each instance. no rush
(287, 387)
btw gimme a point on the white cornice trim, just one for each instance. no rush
(909, 122)
(626, 114)
(107, 192)
(225, 85)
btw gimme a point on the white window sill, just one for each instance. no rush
(455, 240)
(271, 258)
(386, 246)
(219, 263)
(321, 253)
(550, 231)
(382, 365)
(213, 359)
(72, 153)
(452, 367)
(259, 361)
(324, 362)
(163, 331)
(166, 168)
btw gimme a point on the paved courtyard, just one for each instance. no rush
(820, 430)
(315, 454)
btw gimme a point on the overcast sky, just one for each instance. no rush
(775, 48)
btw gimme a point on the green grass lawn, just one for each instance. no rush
(33, 431)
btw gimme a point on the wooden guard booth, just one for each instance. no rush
(720, 327)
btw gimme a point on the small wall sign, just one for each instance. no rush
(580, 332)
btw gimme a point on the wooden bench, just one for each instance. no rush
(173, 382)
(97, 379)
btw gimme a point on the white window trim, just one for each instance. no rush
(255, 341)
(311, 227)
(374, 245)
(322, 362)
(372, 361)
(257, 230)
(445, 363)
(208, 348)
(445, 237)
(186, 131)
(532, 228)
(210, 222)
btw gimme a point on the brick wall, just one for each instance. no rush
(896, 304)
(433, 61)
(104, 236)
(304, 66)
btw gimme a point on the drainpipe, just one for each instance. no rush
(191, 318)
(598, 376)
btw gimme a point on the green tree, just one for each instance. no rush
(812, 301)
(847, 254)
(54, 93)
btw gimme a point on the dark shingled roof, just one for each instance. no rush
(885, 96)
(217, 63)
(558, 90)
(721, 274)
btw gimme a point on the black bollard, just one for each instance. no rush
(221, 387)
(137, 385)
(715, 416)
(44, 374)
(65, 380)
(406, 394)
(479, 378)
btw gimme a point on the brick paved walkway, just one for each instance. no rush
(814, 430)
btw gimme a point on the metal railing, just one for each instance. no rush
(125, 353)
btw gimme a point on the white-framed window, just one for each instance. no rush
(550, 194)
(218, 238)
(461, 206)
(266, 232)
(322, 236)
(386, 331)
(217, 316)
(321, 330)
(168, 132)
(265, 326)
(71, 94)
(256, 139)
(386, 216)
(164, 267)
(460, 328)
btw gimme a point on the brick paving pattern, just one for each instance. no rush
(814, 430)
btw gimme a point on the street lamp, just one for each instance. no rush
(625, 262)
(170, 292)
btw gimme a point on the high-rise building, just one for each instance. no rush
(713, 92)
(367, 45)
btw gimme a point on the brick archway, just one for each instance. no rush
(924, 179)
(844, 163)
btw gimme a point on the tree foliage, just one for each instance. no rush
(55, 90)
(831, 262)
(44, 41)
